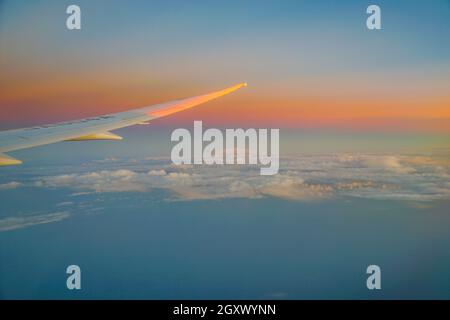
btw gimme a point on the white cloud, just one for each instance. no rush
(13, 223)
(302, 178)
(65, 203)
(10, 185)
(293, 188)
(160, 172)
(100, 181)
(389, 163)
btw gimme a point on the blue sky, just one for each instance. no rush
(300, 57)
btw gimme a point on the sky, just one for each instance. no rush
(309, 65)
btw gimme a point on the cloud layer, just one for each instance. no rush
(305, 178)
(301, 178)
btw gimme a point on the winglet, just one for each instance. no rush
(6, 160)
(184, 104)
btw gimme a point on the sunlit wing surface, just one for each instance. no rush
(96, 128)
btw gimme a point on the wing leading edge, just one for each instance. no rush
(96, 128)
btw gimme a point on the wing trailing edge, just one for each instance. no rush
(97, 136)
(96, 128)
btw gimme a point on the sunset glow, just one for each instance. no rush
(301, 80)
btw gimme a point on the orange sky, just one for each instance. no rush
(27, 99)
(312, 73)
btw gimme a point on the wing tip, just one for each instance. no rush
(188, 103)
(241, 85)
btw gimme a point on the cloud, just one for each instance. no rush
(302, 178)
(65, 203)
(13, 223)
(100, 181)
(294, 188)
(389, 163)
(157, 172)
(10, 185)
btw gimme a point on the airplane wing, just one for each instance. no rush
(96, 128)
